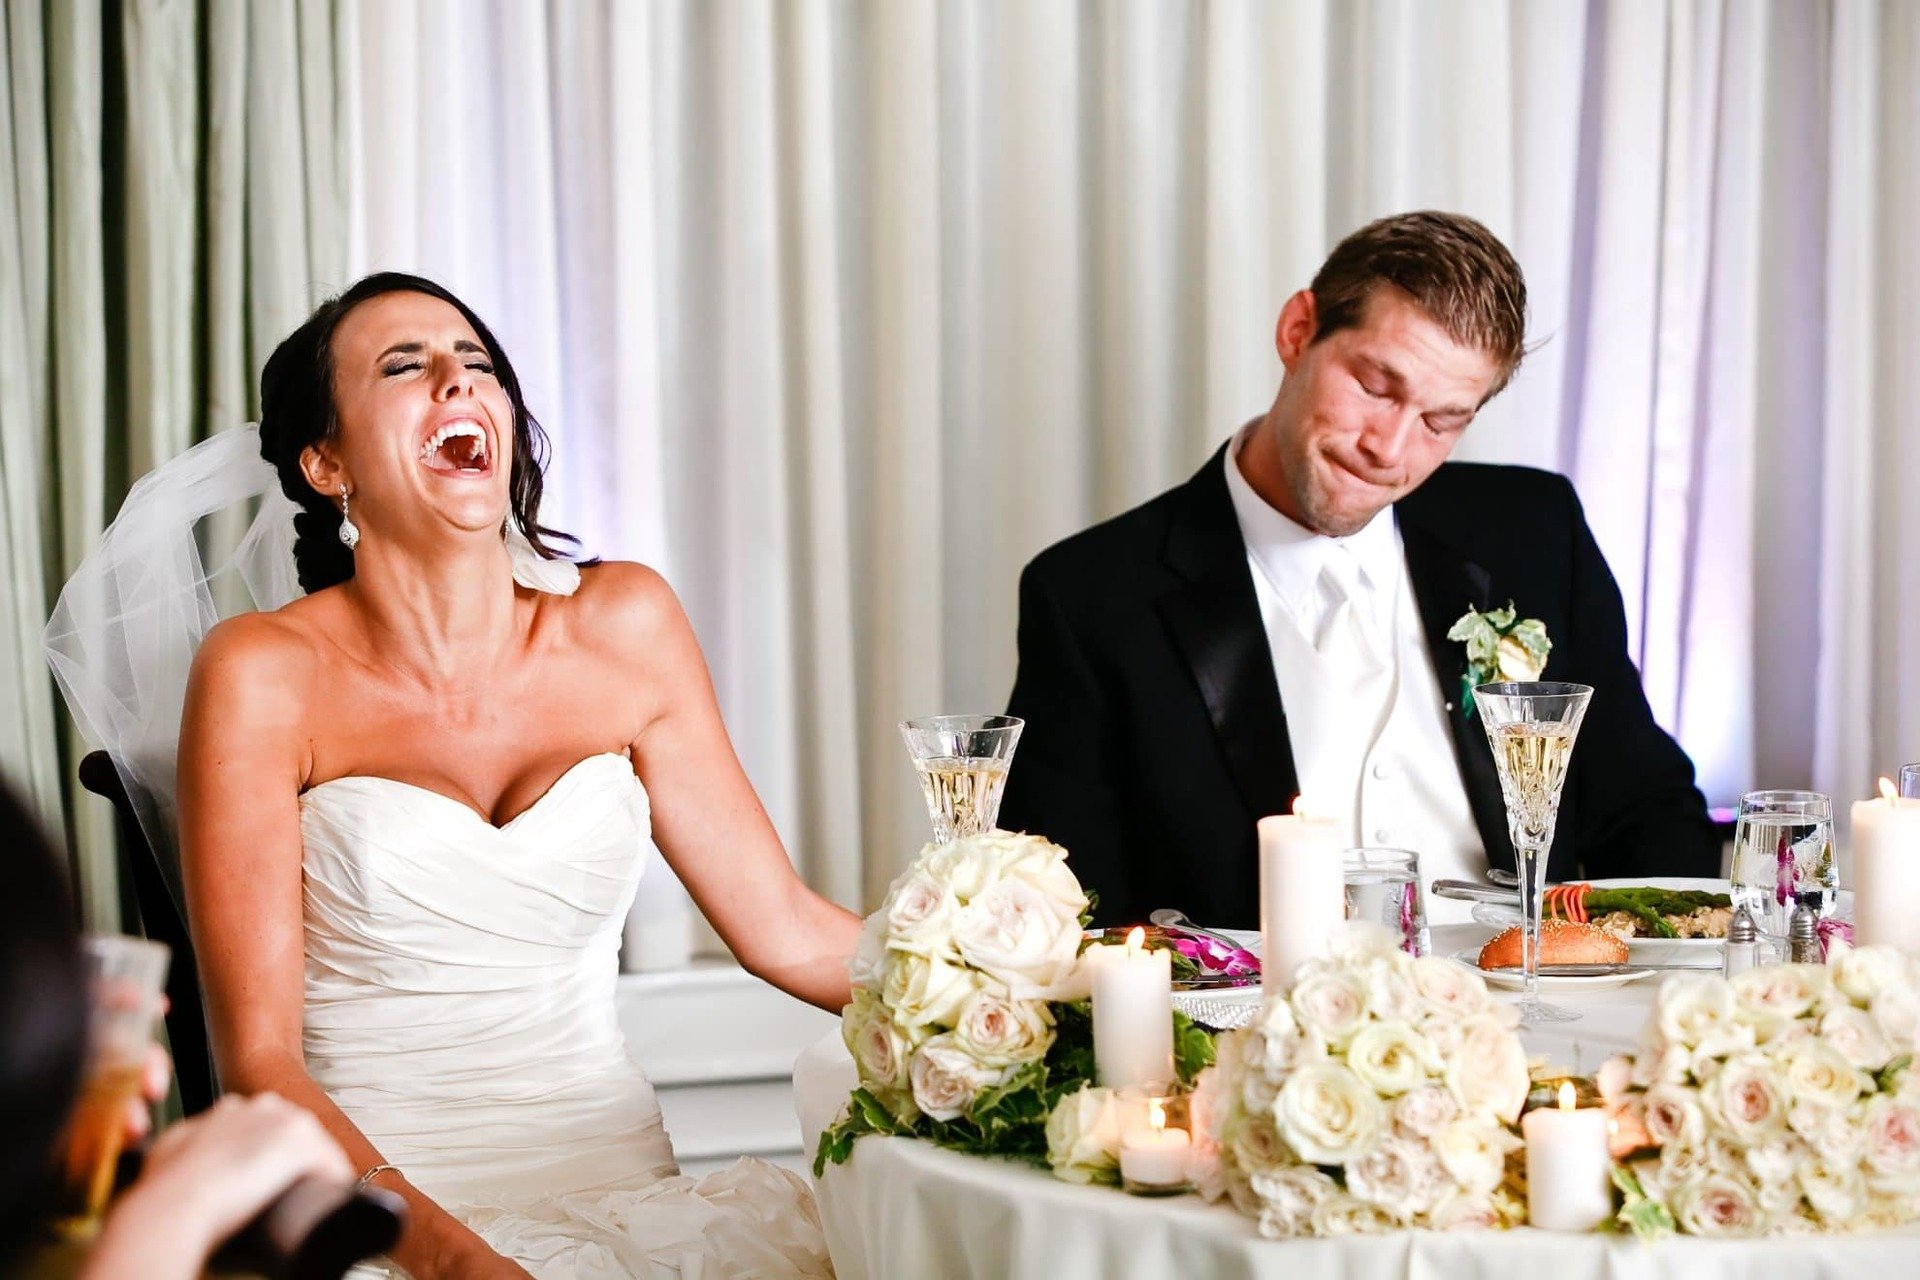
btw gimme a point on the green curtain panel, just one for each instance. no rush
(172, 201)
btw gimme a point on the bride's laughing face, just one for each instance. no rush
(425, 437)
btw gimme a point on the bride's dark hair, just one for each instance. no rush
(297, 410)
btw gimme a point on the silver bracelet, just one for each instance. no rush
(367, 1177)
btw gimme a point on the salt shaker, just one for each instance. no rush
(1743, 942)
(1803, 933)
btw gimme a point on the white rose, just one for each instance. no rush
(1083, 1136)
(1892, 1145)
(1002, 1033)
(946, 1078)
(1864, 973)
(1830, 1131)
(1402, 1177)
(1466, 1211)
(1720, 1205)
(1424, 1112)
(1332, 1004)
(968, 867)
(879, 1047)
(1343, 1215)
(1671, 1114)
(1288, 1197)
(1671, 1064)
(1358, 941)
(1448, 988)
(1897, 1010)
(1697, 1012)
(1836, 1192)
(1776, 1162)
(1514, 662)
(1857, 1036)
(1769, 999)
(1206, 1113)
(1747, 1098)
(1488, 1071)
(1280, 1044)
(1042, 864)
(1252, 1143)
(867, 967)
(1327, 1114)
(1816, 1072)
(920, 912)
(1474, 1153)
(923, 992)
(1013, 932)
(1391, 1057)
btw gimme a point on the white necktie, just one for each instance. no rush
(1346, 634)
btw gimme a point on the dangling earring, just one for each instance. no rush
(349, 531)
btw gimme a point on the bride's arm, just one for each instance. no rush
(707, 820)
(243, 759)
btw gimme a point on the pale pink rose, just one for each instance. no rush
(1720, 1205)
(1672, 1114)
(1769, 999)
(1830, 1131)
(1333, 1004)
(1424, 1112)
(920, 913)
(1747, 1097)
(946, 1078)
(1015, 933)
(1449, 988)
(1286, 1199)
(1856, 1034)
(1893, 1144)
(1400, 1176)
(1488, 1071)
(1000, 1032)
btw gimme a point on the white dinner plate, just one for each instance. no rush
(1514, 980)
(1655, 950)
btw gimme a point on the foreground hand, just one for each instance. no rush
(207, 1177)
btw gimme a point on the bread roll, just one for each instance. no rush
(1561, 942)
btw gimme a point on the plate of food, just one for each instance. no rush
(1573, 956)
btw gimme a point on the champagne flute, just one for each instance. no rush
(1531, 727)
(962, 762)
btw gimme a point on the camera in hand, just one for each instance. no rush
(316, 1230)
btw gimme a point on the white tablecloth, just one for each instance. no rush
(903, 1209)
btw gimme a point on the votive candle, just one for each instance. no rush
(1155, 1157)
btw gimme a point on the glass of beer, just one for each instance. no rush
(125, 978)
(962, 762)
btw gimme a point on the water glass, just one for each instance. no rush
(1783, 846)
(962, 762)
(125, 977)
(1384, 885)
(1910, 781)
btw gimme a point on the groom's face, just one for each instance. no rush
(1365, 414)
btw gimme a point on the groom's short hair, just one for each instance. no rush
(1454, 269)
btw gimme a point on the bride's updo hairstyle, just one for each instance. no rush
(297, 410)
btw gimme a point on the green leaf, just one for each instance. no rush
(1646, 1217)
(1192, 1047)
(1889, 1077)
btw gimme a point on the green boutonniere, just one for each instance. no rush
(1500, 646)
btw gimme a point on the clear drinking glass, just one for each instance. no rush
(1384, 885)
(1531, 727)
(962, 762)
(1783, 845)
(1910, 781)
(125, 977)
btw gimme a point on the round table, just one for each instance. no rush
(901, 1208)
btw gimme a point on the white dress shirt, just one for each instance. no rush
(1365, 713)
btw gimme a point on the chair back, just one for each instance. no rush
(164, 919)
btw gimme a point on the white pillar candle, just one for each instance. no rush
(1153, 1155)
(1569, 1169)
(1886, 872)
(1132, 1012)
(1303, 896)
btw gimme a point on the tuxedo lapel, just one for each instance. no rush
(1215, 623)
(1445, 585)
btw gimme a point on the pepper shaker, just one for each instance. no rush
(1803, 931)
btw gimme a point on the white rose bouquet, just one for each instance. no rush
(968, 1025)
(1379, 1093)
(1778, 1103)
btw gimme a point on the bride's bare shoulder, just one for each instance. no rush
(279, 650)
(626, 598)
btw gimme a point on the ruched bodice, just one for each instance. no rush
(460, 983)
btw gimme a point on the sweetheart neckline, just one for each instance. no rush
(462, 805)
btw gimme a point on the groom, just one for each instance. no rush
(1277, 625)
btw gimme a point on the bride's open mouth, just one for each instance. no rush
(457, 448)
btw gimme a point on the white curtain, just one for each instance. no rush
(839, 312)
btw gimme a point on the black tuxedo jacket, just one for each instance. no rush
(1155, 737)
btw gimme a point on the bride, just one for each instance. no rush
(412, 806)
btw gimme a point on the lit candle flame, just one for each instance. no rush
(1566, 1095)
(1887, 789)
(1156, 1115)
(1136, 940)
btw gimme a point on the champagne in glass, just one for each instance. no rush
(962, 762)
(1531, 728)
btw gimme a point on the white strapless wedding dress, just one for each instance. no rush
(460, 1010)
